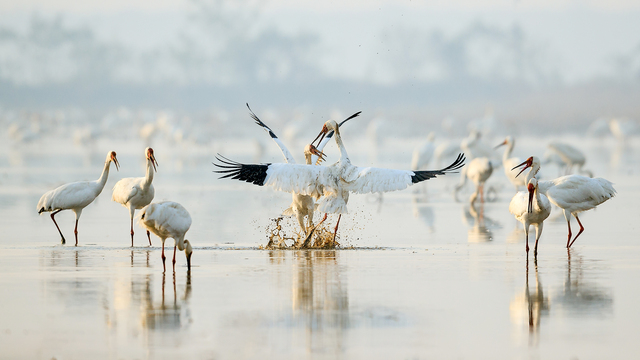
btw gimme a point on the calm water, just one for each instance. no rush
(428, 277)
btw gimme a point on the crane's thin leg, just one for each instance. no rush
(307, 241)
(482, 193)
(149, 237)
(164, 268)
(526, 236)
(538, 233)
(579, 232)
(567, 216)
(174, 259)
(132, 231)
(54, 221)
(75, 231)
(336, 231)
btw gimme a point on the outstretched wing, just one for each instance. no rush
(370, 180)
(301, 179)
(430, 174)
(285, 152)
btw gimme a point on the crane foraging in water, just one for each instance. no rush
(136, 193)
(572, 193)
(75, 196)
(168, 219)
(334, 182)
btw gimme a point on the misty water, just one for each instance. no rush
(420, 275)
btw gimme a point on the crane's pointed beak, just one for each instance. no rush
(503, 143)
(531, 192)
(154, 162)
(116, 163)
(527, 164)
(320, 136)
(321, 156)
(189, 261)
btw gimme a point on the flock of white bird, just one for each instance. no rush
(166, 219)
(571, 193)
(326, 189)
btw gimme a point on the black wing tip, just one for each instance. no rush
(349, 118)
(430, 174)
(251, 173)
(259, 122)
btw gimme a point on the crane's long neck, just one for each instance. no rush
(343, 151)
(532, 173)
(103, 177)
(536, 197)
(148, 178)
(507, 152)
(180, 243)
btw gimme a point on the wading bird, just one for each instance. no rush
(478, 171)
(75, 196)
(570, 157)
(531, 208)
(136, 193)
(334, 182)
(168, 219)
(302, 205)
(572, 193)
(423, 153)
(509, 162)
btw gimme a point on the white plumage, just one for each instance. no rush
(572, 193)
(478, 171)
(423, 153)
(570, 157)
(335, 182)
(136, 193)
(302, 205)
(168, 219)
(509, 162)
(531, 208)
(75, 196)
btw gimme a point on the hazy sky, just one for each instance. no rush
(462, 46)
(575, 40)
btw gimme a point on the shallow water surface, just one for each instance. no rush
(422, 276)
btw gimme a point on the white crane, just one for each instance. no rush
(570, 157)
(478, 171)
(136, 193)
(509, 162)
(168, 219)
(335, 182)
(302, 205)
(75, 196)
(572, 193)
(423, 153)
(474, 147)
(531, 208)
(445, 150)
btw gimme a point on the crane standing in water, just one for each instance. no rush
(75, 196)
(136, 193)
